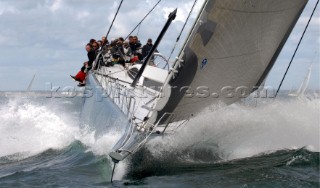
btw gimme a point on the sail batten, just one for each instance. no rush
(229, 52)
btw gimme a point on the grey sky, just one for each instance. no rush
(47, 38)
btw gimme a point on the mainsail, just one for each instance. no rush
(228, 54)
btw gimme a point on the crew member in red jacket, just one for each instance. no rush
(80, 77)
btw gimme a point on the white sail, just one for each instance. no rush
(304, 85)
(230, 51)
(31, 82)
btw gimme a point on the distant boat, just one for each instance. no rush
(304, 85)
(227, 55)
(31, 82)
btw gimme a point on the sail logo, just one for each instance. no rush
(203, 63)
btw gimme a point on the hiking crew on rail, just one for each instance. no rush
(118, 51)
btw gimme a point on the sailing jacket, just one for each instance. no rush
(91, 56)
(81, 76)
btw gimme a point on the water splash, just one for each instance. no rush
(29, 129)
(239, 131)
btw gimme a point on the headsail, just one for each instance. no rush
(229, 52)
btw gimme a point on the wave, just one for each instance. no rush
(74, 156)
(298, 160)
(239, 131)
(30, 129)
(40, 127)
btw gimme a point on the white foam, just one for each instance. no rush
(239, 131)
(30, 129)
(233, 132)
(101, 145)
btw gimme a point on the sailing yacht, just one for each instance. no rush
(304, 85)
(227, 55)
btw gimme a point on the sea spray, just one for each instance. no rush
(101, 146)
(30, 129)
(240, 131)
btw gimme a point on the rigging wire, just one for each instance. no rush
(143, 19)
(294, 54)
(138, 30)
(114, 18)
(185, 23)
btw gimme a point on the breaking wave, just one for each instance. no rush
(240, 131)
(33, 131)
(29, 128)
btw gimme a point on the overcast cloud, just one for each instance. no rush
(47, 38)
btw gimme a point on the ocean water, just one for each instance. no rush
(273, 144)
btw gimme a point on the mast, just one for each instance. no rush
(171, 17)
